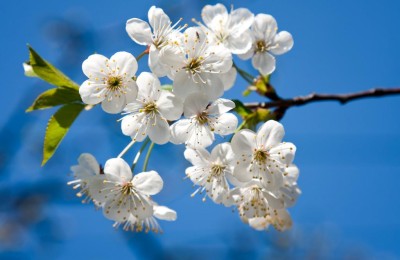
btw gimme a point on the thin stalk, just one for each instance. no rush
(146, 160)
(144, 145)
(142, 54)
(245, 75)
(126, 148)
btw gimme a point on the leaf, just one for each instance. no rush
(241, 109)
(58, 127)
(48, 72)
(55, 97)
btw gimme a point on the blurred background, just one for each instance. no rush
(348, 155)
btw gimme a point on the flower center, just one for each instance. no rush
(194, 65)
(114, 83)
(261, 156)
(127, 188)
(217, 169)
(202, 118)
(150, 107)
(261, 46)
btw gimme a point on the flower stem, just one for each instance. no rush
(146, 160)
(142, 54)
(245, 75)
(126, 148)
(144, 145)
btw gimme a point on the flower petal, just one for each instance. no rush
(270, 134)
(117, 211)
(124, 63)
(242, 169)
(95, 66)
(197, 156)
(180, 131)
(240, 20)
(244, 142)
(114, 103)
(133, 126)
(228, 78)
(92, 93)
(89, 162)
(223, 153)
(164, 213)
(220, 106)
(215, 16)
(155, 64)
(282, 42)
(259, 224)
(149, 87)
(283, 152)
(118, 168)
(194, 104)
(139, 31)
(184, 85)
(264, 27)
(240, 44)
(200, 135)
(158, 19)
(264, 63)
(225, 124)
(169, 106)
(159, 131)
(148, 183)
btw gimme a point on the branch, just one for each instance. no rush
(314, 97)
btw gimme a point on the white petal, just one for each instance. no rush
(139, 31)
(195, 42)
(114, 103)
(98, 189)
(242, 169)
(244, 142)
(223, 153)
(283, 152)
(200, 136)
(95, 66)
(270, 134)
(264, 63)
(117, 211)
(92, 93)
(131, 91)
(218, 59)
(170, 106)
(173, 57)
(118, 168)
(184, 85)
(220, 106)
(225, 124)
(180, 131)
(248, 54)
(164, 213)
(149, 87)
(228, 78)
(194, 104)
(89, 162)
(240, 20)
(273, 201)
(282, 42)
(148, 183)
(133, 126)
(214, 87)
(240, 44)
(155, 64)
(264, 27)
(214, 16)
(124, 63)
(159, 132)
(259, 223)
(197, 156)
(292, 173)
(158, 19)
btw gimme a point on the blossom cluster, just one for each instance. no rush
(254, 172)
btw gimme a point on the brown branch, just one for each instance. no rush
(314, 97)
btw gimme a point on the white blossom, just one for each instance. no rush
(262, 156)
(202, 120)
(211, 171)
(266, 41)
(126, 198)
(279, 219)
(230, 30)
(83, 173)
(110, 81)
(163, 33)
(195, 65)
(148, 114)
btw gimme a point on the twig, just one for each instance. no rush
(314, 97)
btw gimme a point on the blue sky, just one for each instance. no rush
(348, 155)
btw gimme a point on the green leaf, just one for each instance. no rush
(166, 87)
(241, 109)
(55, 97)
(48, 72)
(58, 127)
